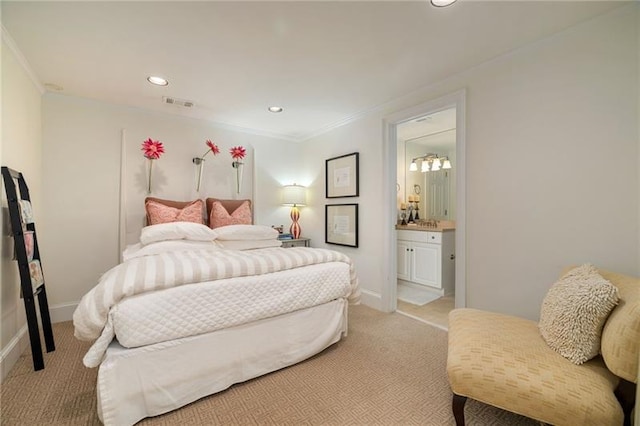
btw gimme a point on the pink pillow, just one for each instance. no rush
(160, 213)
(221, 217)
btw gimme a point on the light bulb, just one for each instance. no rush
(436, 164)
(442, 3)
(158, 81)
(425, 166)
(446, 164)
(413, 167)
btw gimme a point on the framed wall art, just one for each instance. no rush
(341, 176)
(341, 224)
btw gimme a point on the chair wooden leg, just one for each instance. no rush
(626, 394)
(458, 408)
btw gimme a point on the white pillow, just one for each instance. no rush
(246, 232)
(247, 244)
(177, 231)
(138, 250)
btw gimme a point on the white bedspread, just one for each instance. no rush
(92, 319)
(199, 308)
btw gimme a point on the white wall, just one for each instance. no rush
(82, 152)
(363, 137)
(552, 165)
(21, 150)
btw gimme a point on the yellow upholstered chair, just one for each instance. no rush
(503, 361)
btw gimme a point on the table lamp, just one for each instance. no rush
(294, 196)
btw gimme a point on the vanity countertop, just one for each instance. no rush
(442, 227)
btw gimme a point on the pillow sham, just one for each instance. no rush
(177, 231)
(230, 205)
(221, 217)
(247, 244)
(138, 250)
(165, 211)
(246, 232)
(574, 311)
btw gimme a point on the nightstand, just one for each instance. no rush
(298, 242)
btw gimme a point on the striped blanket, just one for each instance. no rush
(166, 270)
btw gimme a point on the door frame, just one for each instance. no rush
(455, 100)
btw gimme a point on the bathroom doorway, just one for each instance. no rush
(438, 198)
(426, 149)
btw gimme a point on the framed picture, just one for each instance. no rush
(341, 224)
(341, 177)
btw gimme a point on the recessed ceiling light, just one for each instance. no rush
(158, 81)
(275, 109)
(442, 3)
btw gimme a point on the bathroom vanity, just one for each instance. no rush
(426, 256)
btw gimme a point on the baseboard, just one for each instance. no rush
(20, 342)
(371, 299)
(61, 313)
(10, 354)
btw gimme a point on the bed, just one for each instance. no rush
(185, 316)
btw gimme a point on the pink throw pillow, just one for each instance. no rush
(159, 213)
(221, 217)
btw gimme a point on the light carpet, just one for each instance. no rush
(389, 370)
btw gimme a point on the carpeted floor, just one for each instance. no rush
(389, 370)
(434, 313)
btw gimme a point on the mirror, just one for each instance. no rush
(430, 193)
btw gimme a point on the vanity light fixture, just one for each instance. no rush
(275, 109)
(430, 162)
(435, 165)
(158, 81)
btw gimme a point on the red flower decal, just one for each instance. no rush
(152, 149)
(238, 152)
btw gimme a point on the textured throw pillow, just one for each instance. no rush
(221, 217)
(160, 213)
(574, 311)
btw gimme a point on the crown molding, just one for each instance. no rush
(256, 132)
(6, 37)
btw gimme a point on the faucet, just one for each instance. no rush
(432, 223)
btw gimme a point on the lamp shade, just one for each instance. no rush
(294, 195)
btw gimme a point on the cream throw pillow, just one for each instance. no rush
(574, 311)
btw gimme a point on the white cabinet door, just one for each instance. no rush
(404, 260)
(426, 264)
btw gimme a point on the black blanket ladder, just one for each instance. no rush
(27, 254)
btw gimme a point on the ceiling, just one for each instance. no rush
(323, 62)
(437, 123)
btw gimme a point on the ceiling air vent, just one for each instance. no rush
(176, 101)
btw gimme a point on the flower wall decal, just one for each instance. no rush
(152, 150)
